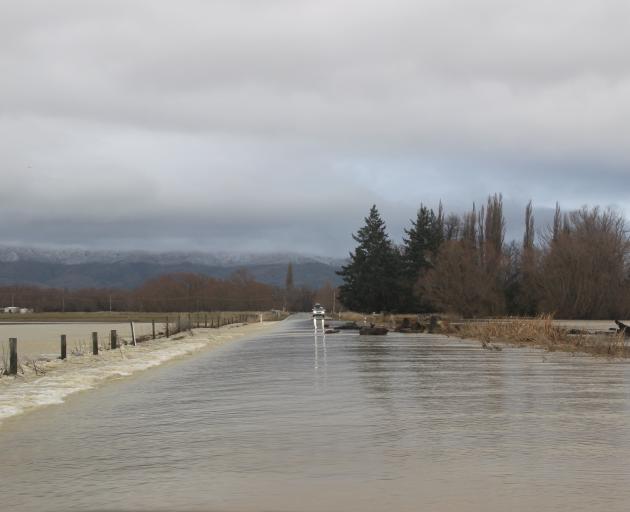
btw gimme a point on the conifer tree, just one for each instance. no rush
(371, 279)
(422, 241)
(419, 250)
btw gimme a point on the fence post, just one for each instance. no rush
(179, 323)
(63, 346)
(13, 360)
(167, 333)
(95, 343)
(113, 340)
(153, 328)
(133, 334)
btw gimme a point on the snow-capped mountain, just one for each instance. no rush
(223, 259)
(76, 268)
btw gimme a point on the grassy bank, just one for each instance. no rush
(539, 332)
(542, 332)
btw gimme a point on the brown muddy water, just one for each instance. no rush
(289, 422)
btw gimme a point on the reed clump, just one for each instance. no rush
(540, 332)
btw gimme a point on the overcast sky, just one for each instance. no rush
(270, 125)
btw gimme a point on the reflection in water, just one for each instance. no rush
(320, 340)
(292, 421)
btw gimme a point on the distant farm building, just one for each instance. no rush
(16, 310)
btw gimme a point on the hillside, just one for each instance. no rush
(85, 269)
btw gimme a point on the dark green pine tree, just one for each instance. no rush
(371, 279)
(420, 246)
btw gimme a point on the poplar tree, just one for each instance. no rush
(288, 282)
(289, 292)
(371, 279)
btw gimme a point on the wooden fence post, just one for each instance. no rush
(153, 328)
(63, 346)
(167, 333)
(133, 334)
(113, 339)
(13, 360)
(95, 343)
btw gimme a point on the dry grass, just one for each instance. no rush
(539, 332)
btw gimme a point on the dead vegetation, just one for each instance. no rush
(539, 332)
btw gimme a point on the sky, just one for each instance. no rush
(274, 125)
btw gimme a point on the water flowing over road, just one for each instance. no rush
(292, 422)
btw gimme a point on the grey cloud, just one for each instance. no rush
(276, 124)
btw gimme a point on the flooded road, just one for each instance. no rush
(289, 422)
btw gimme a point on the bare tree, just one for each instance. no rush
(584, 270)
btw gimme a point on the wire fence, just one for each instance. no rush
(85, 342)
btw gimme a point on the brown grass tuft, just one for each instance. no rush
(540, 332)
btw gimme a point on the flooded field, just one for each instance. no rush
(291, 422)
(43, 339)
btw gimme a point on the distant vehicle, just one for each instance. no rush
(319, 315)
(319, 311)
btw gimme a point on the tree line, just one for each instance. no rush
(171, 292)
(578, 267)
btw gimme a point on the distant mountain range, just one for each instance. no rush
(72, 268)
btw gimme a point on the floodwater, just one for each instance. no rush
(43, 339)
(289, 422)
